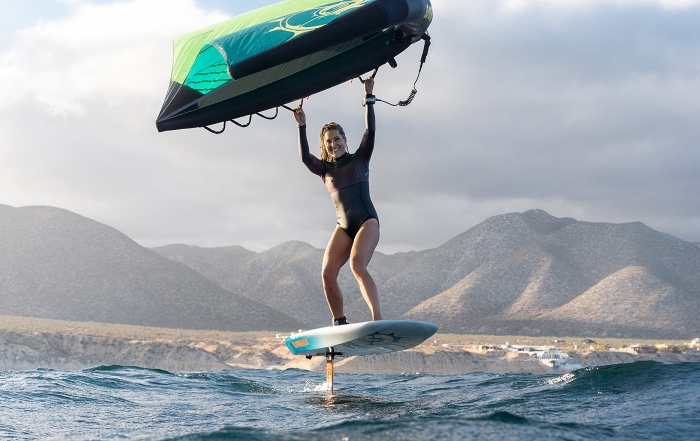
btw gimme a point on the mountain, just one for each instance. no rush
(286, 277)
(57, 264)
(518, 273)
(561, 276)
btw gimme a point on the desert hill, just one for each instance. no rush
(287, 277)
(528, 273)
(519, 273)
(590, 278)
(57, 264)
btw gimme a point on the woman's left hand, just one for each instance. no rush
(299, 116)
(369, 86)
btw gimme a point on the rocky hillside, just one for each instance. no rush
(552, 275)
(56, 264)
(286, 277)
(519, 273)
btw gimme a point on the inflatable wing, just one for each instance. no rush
(284, 52)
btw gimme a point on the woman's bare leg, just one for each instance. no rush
(363, 247)
(337, 253)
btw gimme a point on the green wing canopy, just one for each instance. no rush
(210, 59)
(202, 57)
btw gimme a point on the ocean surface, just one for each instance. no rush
(639, 401)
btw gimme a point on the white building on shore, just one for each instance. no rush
(547, 355)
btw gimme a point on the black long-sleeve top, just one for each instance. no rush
(347, 177)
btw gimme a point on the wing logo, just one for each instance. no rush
(300, 343)
(296, 30)
(341, 7)
(310, 20)
(428, 13)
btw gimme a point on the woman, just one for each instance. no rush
(346, 176)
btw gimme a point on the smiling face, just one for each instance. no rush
(335, 143)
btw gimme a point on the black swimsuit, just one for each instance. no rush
(346, 178)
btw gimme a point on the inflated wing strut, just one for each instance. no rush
(391, 62)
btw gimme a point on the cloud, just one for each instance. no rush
(585, 109)
(517, 6)
(591, 105)
(103, 52)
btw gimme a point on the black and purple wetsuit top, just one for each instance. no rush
(346, 178)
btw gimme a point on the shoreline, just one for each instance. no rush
(28, 344)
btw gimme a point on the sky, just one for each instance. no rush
(583, 108)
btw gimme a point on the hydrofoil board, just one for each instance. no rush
(367, 338)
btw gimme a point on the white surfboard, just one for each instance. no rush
(377, 337)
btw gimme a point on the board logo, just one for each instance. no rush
(300, 343)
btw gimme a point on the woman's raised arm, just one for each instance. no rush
(312, 163)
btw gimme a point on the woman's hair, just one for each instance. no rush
(327, 128)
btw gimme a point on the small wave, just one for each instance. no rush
(500, 425)
(506, 417)
(243, 433)
(231, 380)
(128, 369)
(639, 375)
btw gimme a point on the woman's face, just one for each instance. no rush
(335, 143)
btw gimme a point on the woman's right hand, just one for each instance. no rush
(369, 85)
(299, 116)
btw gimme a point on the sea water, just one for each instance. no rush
(639, 401)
